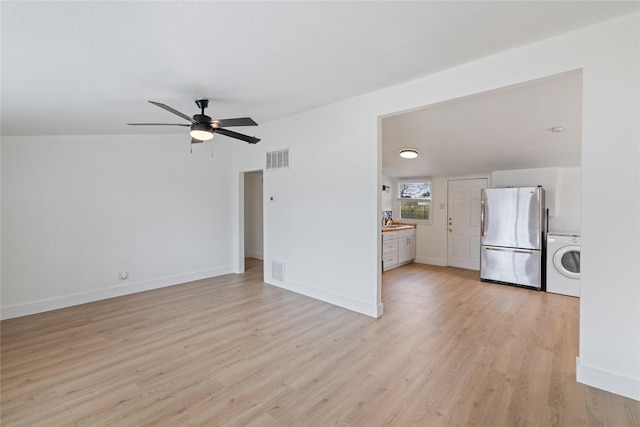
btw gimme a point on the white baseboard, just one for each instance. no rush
(373, 310)
(40, 306)
(431, 261)
(608, 381)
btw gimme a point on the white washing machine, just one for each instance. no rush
(563, 263)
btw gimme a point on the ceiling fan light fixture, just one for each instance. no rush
(202, 128)
(409, 153)
(201, 131)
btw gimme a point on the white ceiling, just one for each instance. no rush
(79, 68)
(505, 129)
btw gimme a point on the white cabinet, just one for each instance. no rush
(398, 248)
(389, 250)
(406, 245)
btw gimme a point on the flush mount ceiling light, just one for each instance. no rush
(201, 131)
(557, 129)
(409, 153)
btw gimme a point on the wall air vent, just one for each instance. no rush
(278, 159)
(277, 271)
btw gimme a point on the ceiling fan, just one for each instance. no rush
(203, 127)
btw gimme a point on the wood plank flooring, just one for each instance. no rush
(449, 351)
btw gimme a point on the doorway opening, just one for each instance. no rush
(251, 221)
(508, 136)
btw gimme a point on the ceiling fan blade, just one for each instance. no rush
(157, 124)
(240, 121)
(176, 112)
(236, 135)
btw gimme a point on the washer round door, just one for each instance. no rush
(567, 261)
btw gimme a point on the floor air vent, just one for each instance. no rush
(278, 159)
(277, 271)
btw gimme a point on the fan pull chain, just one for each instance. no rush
(212, 151)
(191, 148)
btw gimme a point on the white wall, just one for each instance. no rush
(324, 215)
(610, 289)
(253, 227)
(335, 178)
(568, 214)
(388, 196)
(78, 210)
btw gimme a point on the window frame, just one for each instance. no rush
(428, 200)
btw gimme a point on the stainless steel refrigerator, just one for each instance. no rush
(513, 236)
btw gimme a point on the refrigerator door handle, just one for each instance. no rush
(518, 251)
(481, 218)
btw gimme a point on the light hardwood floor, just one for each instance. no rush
(449, 351)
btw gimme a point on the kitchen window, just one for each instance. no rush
(414, 199)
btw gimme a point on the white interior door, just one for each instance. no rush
(463, 222)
